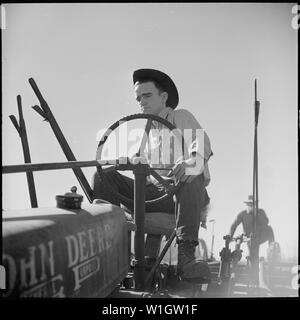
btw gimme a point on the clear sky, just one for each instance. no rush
(82, 57)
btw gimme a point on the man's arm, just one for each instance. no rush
(263, 219)
(197, 140)
(197, 149)
(235, 224)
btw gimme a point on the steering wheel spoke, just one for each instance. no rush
(165, 183)
(144, 138)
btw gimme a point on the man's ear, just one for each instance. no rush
(165, 96)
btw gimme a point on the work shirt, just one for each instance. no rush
(247, 221)
(164, 148)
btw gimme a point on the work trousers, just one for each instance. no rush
(191, 200)
(264, 234)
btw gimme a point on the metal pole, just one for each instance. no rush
(60, 165)
(254, 242)
(52, 166)
(255, 160)
(21, 128)
(139, 217)
(47, 114)
(212, 238)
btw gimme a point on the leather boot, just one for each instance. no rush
(188, 268)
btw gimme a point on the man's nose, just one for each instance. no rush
(143, 101)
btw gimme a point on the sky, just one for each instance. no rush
(82, 57)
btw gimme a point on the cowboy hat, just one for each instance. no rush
(163, 80)
(250, 199)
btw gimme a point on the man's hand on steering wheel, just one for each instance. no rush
(133, 160)
(187, 170)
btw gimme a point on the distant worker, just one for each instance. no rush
(264, 231)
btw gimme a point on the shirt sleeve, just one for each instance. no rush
(235, 224)
(263, 219)
(195, 137)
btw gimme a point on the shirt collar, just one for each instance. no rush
(165, 112)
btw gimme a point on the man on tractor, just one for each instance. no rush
(157, 94)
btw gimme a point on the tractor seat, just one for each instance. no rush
(157, 223)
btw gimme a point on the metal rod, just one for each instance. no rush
(21, 128)
(139, 239)
(254, 181)
(17, 168)
(62, 141)
(145, 137)
(255, 161)
(212, 238)
(256, 105)
(52, 166)
(254, 243)
(161, 256)
(26, 152)
(15, 123)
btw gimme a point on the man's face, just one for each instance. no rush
(149, 98)
(249, 207)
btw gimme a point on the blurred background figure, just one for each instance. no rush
(264, 231)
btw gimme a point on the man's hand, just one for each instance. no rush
(133, 160)
(187, 170)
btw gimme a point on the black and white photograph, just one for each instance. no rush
(149, 150)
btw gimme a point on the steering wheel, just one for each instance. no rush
(169, 188)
